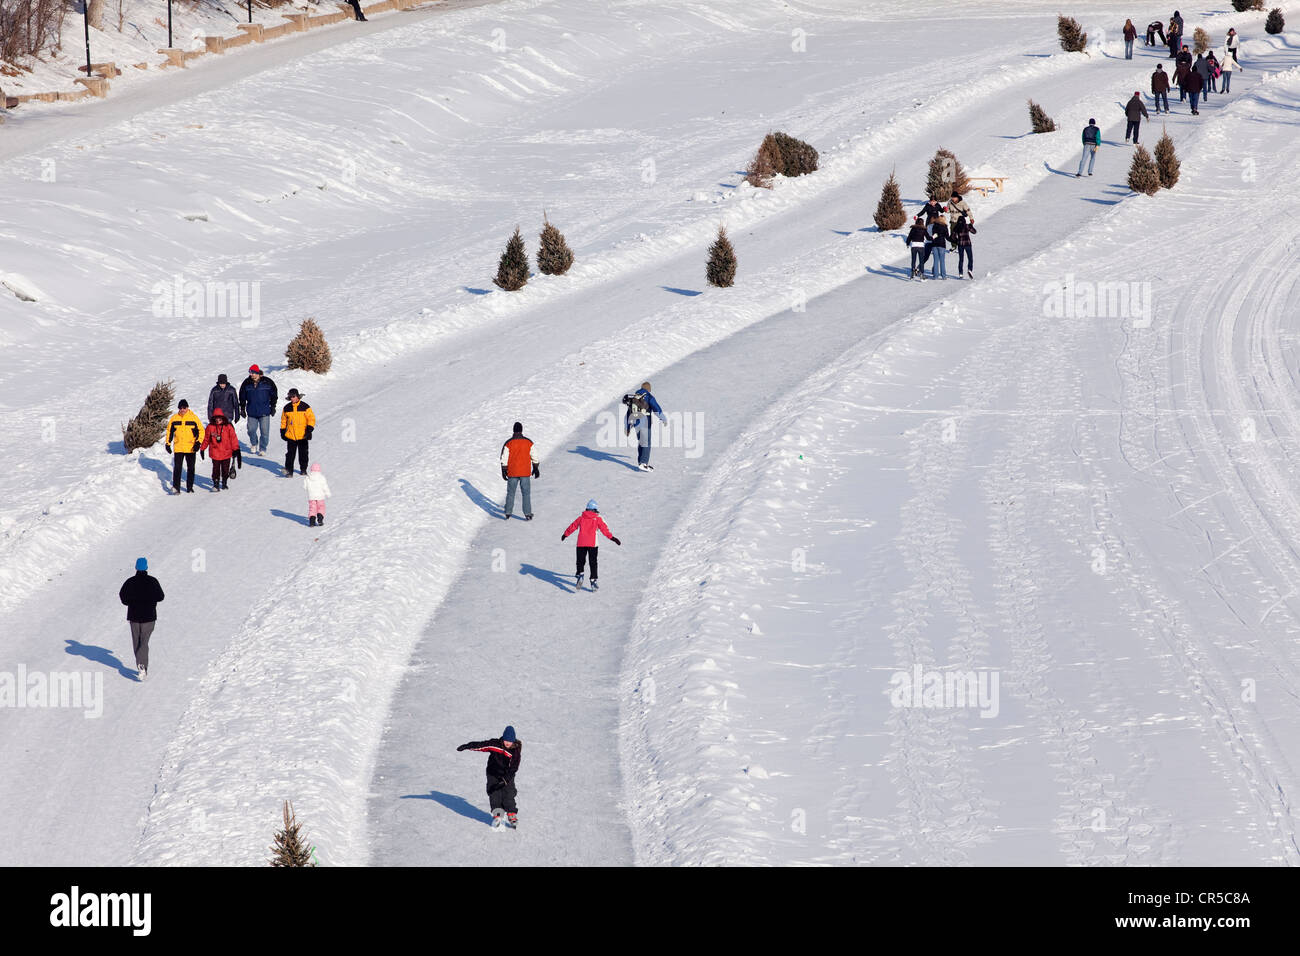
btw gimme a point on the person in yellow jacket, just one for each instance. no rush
(184, 436)
(297, 422)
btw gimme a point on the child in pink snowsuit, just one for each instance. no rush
(587, 524)
(317, 491)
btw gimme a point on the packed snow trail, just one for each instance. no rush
(1027, 535)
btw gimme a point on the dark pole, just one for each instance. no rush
(169, 24)
(250, 11)
(86, 9)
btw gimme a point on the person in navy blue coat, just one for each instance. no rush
(641, 407)
(258, 398)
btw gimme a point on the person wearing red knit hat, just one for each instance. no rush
(258, 398)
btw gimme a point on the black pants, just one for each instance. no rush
(501, 794)
(220, 472)
(1132, 130)
(583, 554)
(967, 253)
(918, 260)
(188, 458)
(356, 8)
(300, 447)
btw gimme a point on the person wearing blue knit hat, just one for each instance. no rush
(503, 763)
(141, 594)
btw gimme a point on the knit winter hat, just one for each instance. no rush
(217, 413)
(315, 467)
(591, 505)
(519, 428)
(254, 369)
(222, 380)
(182, 404)
(141, 564)
(508, 735)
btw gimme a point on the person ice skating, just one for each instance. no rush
(962, 230)
(1194, 85)
(184, 436)
(1202, 69)
(504, 753)
(1228, 65)
(1215, 71)
(224, 397)
(1160, 88)
(141, 594)
(918, 240)
(221, 443)
(519, 467)
(1184, 55)
(1130, 35)
(932, 210)
(587, 524)
(1181, 72)
(641, 407)
(356, 8)
(1175, 34)
(958, 207)
(1091, 140)
(258, 398)
(1134, 110)
(1230, 45)
(1153, 28)
(297, 422)
(939, 237)
(318, 490)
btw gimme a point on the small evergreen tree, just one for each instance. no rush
(1143, 174)
(721, 270)
(150, 423)
(553, 255)
(512, 272)
(1167, 161)
(1073, 39)
(1200, 40)
(290, 847)
(764, 165)
(945, 176)
(1275, 23)
(1241, 6)
(1042, 123)
(797, 157)
(309, 350)
(889, 211)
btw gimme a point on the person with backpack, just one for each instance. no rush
(1194, 90)
(1091, 140)
(221, 442)
(504, 754)
(641, 406)
(1202, 69)
(1228, 66)
(962, 230)
(1135, 110)
(1214, 69)
(939, 237)
(318, 489)
(1130, 35)
(258, 398)
(141, 594)
(297, 422)
(184, 436)
(519, 467)
(1160, 88)
(958, 207)
(587, 524)
(918, 240)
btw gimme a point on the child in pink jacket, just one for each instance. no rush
(587, 524)
(317, 491)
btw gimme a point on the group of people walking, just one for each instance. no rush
(937, 230)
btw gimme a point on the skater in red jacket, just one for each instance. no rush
(222, 444)
(587, 524)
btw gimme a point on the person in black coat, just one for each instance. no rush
(1134, 110)
(961, 233)
(356, 8)
(932, 210)
(918, 240)
(141, 594)
(503, 763)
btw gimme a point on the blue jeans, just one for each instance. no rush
(1195, 98)
(938, 271)
(1159, 98)
(1227, 80)
(1128, 49)
(259, 432)
(967, 253)
(524, 484)
(1088, 156)
(643, 426)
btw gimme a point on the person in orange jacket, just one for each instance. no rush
(519, 468)
(183, 437)
(587, 524)
(221, 443)
(297, 422)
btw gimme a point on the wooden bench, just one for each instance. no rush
(996, 181)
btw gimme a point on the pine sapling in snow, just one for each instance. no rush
(554, 257)
(309, 350)
(1275, 23)
(889, 211)
(1167, 161)
(1042, 123)
(721, 270)
(290, 847)
(1241, 6)
(512, 272)
(1200, 40)
(1143, 174)
(1073, 39)
(945, 176)
(150, 423)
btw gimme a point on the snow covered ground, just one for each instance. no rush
(1068, 503)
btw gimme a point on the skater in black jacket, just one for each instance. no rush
(141, 595)
(503, 763)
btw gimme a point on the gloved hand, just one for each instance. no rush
(202, 455)
(563, 536)
(536, 472)
(462, 747)
(504, 476)
(168, 447)
(307, 434)
(283, 435)
(617, 542)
